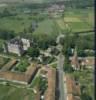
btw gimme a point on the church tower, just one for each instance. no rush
(74, 61)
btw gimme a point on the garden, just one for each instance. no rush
(22, 66)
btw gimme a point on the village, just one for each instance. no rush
(43, 56)
(11, 72)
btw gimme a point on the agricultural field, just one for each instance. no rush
(15, 23)
(20, 22)
(77, 20)
(13, 93)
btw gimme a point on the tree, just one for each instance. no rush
(22, 66)
(84, 95)
(33, 52)
(67, 66)
(7, 35)
(43, 85)
(68, 43)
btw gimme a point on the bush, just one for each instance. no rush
(22, 66)
(33, 52)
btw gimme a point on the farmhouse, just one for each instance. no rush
(17, 46)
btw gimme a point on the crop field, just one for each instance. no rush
(13, 93)
(77, 20)
(23, 21)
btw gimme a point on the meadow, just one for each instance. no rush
(45, 27)
(13, 93)
(15, 23)
(74, 20)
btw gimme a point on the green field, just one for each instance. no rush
(46, 30)
(77, 20)
(45, 27)
(16, 23)
(12, 93)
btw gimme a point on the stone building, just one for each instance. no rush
(17, 46)
(26, 43)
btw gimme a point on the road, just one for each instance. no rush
(61, 77)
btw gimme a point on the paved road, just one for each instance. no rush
(61, 77)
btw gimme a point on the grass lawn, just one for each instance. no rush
(12, 93)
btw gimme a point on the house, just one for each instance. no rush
(87, 62)
(21, 78)
(17, 46)
(50, 92)
(26, 43)
(71, 97)
(56, 10)
(73, 89)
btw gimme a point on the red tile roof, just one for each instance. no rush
(73, 90)
(50, 93)
(9, 65)
(19, 77)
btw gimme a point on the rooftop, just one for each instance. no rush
(50, 93)
(72, 87)
(15, 41)
(19, 77)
